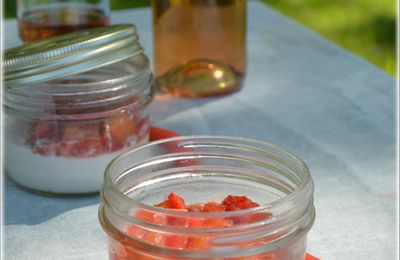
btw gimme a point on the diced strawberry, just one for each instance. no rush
(238, 203)
(145, 215)
(216, 223)
(80, 141)
(45, 138)
(177, 242)
(213, 207)
(178, 221)
(195, 222)
(195, 207)
(151, 217)
(175, 201)
(165, 204)
(197, 243)
(44, 131)
(119, 131)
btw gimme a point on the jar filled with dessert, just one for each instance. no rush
(207, 197)
(72, 103)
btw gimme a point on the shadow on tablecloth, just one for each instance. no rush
(21, 206)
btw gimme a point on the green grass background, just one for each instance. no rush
(365, 27)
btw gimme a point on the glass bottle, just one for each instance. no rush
(199, 46)
(41, 19)
(206, 169)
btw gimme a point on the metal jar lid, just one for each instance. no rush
(69, 54)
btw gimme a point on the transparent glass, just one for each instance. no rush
(60, 135)
(41, 19)
(203, 169)
(199, 46)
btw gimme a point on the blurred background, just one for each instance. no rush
(365, 27)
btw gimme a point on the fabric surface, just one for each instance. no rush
(333, 109)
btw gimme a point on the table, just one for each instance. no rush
(332, 108)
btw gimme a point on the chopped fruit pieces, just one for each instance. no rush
(72, 139)
(175, 202)
(122, 248)
(238, 203)
(183, 241)
(230, 203)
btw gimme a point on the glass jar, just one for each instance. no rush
(72, 103)
(203, 169)
(199, 46)
(41, 19)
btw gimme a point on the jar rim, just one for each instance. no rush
(306, 180)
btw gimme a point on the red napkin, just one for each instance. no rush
(157, 133)
(310, 257)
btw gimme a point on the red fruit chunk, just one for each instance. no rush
(217, 222)
(45, 138)
(195, 207)
(175, 242)
(186, 241)
(145, 215)
(80, 141)
(197, 243)
(119, 131)
(66, 140)
(164, 204)
(45, 131)
(176, 202)
(213, 207)
(238, 202)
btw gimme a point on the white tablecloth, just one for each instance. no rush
(302, 92)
